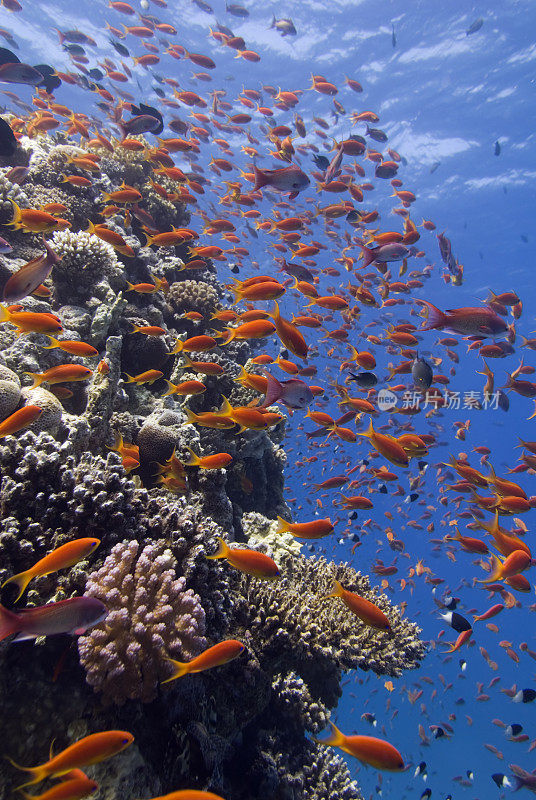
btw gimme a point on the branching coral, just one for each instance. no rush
(151, 615)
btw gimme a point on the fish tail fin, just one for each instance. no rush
(273, 22)
(282, 525)
(37, 379)
(243, 375)
(222, 550)
(226, 408)
(273, 390)
(8, 625)
(55, 343)
(509, 381)
(17, 215)
(260, 179)
(368, 256)
(434, 318)
(21, 580)
(148, 239)
(336, 589)
(180, 668)
(335, 738)
(194, 459)
(38, 773)
(496, 570)
(228, 335)
(170, 389)
(191, 416)
(129, 379)
(5, 316)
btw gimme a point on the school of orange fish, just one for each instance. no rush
(337, 279)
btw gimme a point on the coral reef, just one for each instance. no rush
(150, 616)
(239, 731)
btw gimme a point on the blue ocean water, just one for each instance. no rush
(459, 109)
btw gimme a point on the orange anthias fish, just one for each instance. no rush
(215, 656)
(68, 789)
(250, 561)
(90, 750)
(216, 461)
(64, 556)
(150, 376)
(35, 221)
(516, 562)
(389, 448)
(189, 794)
(30, 321)
(362, 608)
(19, 419)
(60, 374)
(315, 529)
(375, 752)
(72, 346)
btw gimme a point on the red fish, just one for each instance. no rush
(73, 616)
(289, 179)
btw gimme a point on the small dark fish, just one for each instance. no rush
(393, 36)
(503, 402)
(451, 602)
(78, 37)
(120, 48)
(74, 49)
(463, 664)
(423, 466)
(96, 74)
(235, 270)
(524, 238)
(426, 794)
(236, 10)
(352, 217)
(160, 92)
(439, 733)
(224, 29)
(353, 515)
(477, 24)
(513, 730)
(420, 769)
(497, 151)
(8, 142)
(321, 162)
(500, 780)
(422, 373)
(50, 79)
(524, 696)
(376, 134)
(434, 166)
(366, 380)
(470, 774)
(456, 621)
(204, 6)
(357, 138)
(411, 497)
(382, 488)
(284, 26)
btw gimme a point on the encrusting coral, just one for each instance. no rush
(151, 615)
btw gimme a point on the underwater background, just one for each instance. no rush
(451, 89)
